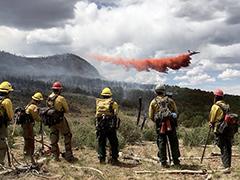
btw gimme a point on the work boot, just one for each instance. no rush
(71, 159)
(165, 165)
(114, 161)
(176, 164)
(102, 161)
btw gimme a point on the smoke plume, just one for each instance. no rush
(158, 64)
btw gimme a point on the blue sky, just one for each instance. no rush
(133, 29)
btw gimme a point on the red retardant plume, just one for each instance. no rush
(158, 64)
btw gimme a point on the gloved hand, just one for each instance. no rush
(174, 115)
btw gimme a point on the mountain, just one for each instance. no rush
(46, 68)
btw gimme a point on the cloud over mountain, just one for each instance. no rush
(130, 29)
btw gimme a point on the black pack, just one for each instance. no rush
(50, 116)
(3, 116)
(21, 117)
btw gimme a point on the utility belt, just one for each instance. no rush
(107, 122)
(25, 119)
(51, 122)
(51, 116)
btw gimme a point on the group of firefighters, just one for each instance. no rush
(162, 111)
(32, 114)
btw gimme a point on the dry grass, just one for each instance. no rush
(88, 158)
(146, 149)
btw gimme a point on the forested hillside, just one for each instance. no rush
(193, 104)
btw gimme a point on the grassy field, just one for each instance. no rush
(133, 143)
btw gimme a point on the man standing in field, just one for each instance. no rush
(59, 124)
(6, 115)
(106, 125)
(224, 132)
(32, 115)
(163, 112)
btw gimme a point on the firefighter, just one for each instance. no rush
(223, 134)
(106, 125)
(6, 115)
(32, 115)
(163, 112)
(59, 124)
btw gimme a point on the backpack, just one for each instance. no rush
(21, 117)
(163, 109)
(104, 107)
(2, 111)
(230, 120)
(4, 119)
(50, 116)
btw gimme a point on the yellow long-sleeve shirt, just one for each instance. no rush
(154, 107)
(115, 108)
(33, 110)
(60, 103)
(216, 114)
(7, 106)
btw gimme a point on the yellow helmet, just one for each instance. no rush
(106, 92)
(6, 87)
(37, 96)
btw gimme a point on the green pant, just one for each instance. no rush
(174, 146)
(224, 142)
(3, 145)
(63, 128)
(111, 135)
(28, 136)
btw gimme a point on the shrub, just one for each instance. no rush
(129, 130)
(190, 119)
(149, 134)
(84, 134)
(196, 136)
(121, 141)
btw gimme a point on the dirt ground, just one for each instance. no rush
(88, 167)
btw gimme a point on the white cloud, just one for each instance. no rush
(151, 77)
(52, 36)
(222, 54)
(195, 76)
(141, 28)
(229, 74)
(12, 39)
(235, 89)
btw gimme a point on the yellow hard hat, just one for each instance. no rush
(37, 96)
(6, 87)
(106, 92)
